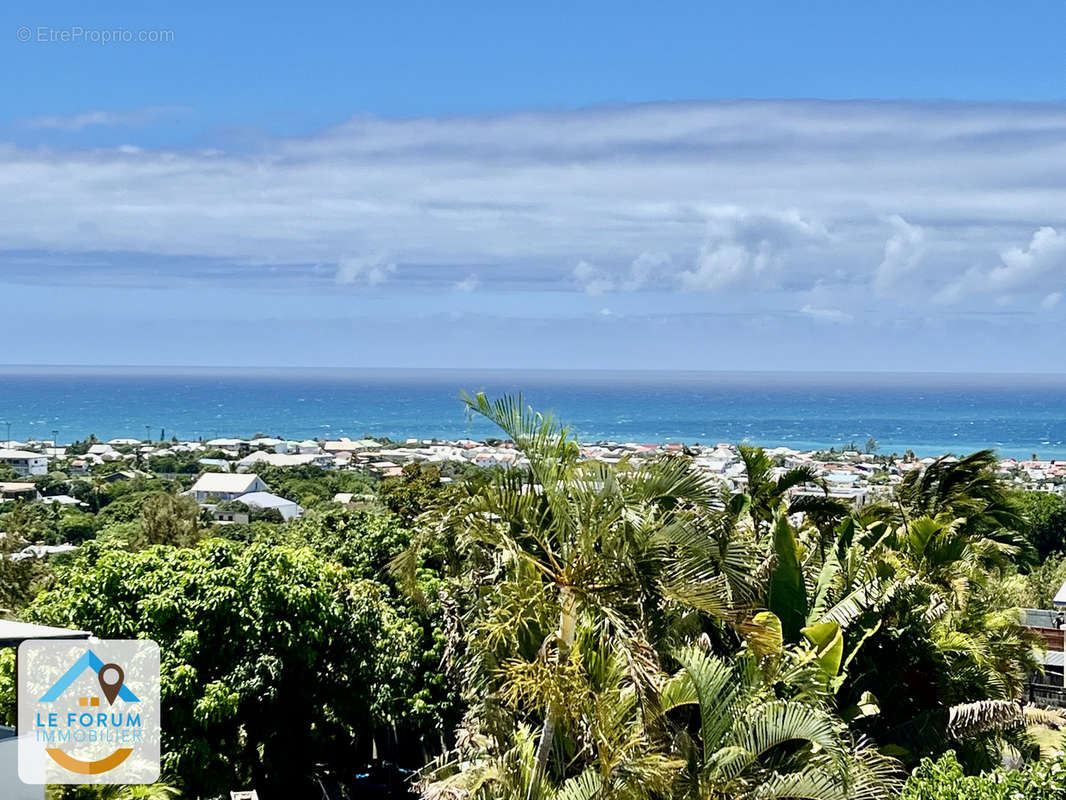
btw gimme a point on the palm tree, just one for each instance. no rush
(609, 737)
(943, 644)
(592, 535)
(748, 743)
(765, 493)
(569, 545)
(965, 489)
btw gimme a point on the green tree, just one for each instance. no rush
(764, 492)
(169, 519)
(747, 742)
(591, 573)
(277, 664)
(363, 539)
(1045, 521)
(945, 779)
(413, 492)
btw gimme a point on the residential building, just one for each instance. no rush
(225, 486)
(25, 462)
(287, 508)
(18, 490)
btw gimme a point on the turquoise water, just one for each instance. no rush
(931, 414)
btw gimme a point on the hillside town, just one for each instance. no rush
(224, 469)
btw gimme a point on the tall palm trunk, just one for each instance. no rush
(567, 627)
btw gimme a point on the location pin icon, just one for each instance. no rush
(111, 690)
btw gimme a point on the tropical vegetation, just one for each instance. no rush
(571, 629)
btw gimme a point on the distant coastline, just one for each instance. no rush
(930, 414)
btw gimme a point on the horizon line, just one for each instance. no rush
(512, 369)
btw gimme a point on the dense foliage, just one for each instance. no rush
(277, 665)
(945, 779)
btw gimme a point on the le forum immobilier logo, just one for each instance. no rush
(88, 711)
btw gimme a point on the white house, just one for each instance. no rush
(24, 462)
(268, 442)
(225, 486)
(284, 459)
(1059, 600)
(287, 508)
(225, 444)
(63, 500)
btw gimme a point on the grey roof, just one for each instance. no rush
(224, 482)
(1038, 618)
(264, 500)
(1050, 658)
(19, 454)
(13, 633)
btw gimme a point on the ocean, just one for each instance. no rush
(1018, 415)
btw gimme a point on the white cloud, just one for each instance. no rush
(649, 268)
(369, 270)
(904, 251)
(831, 315)
(101, 118)
(1020, 268)
(744, 247)
(1051, 300)
(593, 280)
(731, 196)
(467, 284)
(1045, 254)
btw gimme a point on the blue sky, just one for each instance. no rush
(679, 185)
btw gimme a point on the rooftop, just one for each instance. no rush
(13, 633)
(227, 482)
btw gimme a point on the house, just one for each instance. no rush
(226, 444)
(1046, 687)
(230, 517)
(63, 500)
(42, 550)
(346, 445)
(80, 466)
(266, 443)
(222, 464)
(24, 462)
(120, 475)
(225, 486)
(18, 490)
(287, 508)
(351, 499)
(386, 469)
(283, 460)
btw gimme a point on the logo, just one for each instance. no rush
(89, 712)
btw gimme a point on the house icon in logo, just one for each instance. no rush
(88, 661)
